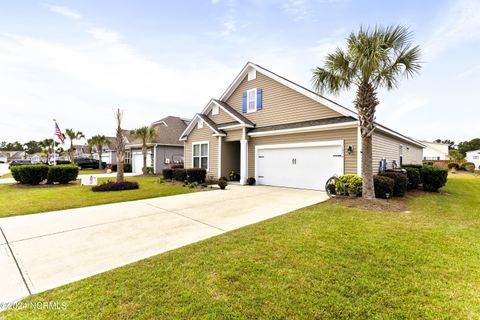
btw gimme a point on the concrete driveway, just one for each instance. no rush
(46, 250)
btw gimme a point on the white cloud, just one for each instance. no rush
(297, 9)
(64, 11)
(80, 85)
(104, 35)
(460, 23)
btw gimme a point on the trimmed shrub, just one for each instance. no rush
(251, 181)
(116, 186)
(127, 167)
(195, 174)
(167, 174)
(468, 166)
(352, 182)
(452, 165)
(176, 166)
(63, 173)
(30, 174)
(414, 178)
(383, 185)
(400, 182)
(179, 174)
(149, 170)
(416, 166)
(434, 178)
(233, 176)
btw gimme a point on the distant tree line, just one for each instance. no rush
(459, 151)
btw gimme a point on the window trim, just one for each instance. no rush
(254, 90)
(199, 143)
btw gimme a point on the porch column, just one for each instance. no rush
(219, 173)
(243, 161)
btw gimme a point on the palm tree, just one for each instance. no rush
(120, 146)
(72, 135)
(91, 143)
(99, 141)
(374, 58)
(145, 134)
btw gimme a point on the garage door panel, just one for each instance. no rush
(299, 167)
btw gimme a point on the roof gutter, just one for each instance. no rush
(342, 125)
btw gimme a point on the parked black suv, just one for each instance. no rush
(87, 163)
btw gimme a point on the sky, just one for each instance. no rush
(77, 61)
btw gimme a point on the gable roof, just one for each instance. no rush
(212, 125)
(169, 130)
(240, 118)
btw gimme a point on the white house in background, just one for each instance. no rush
(3, 157)
(474, 156)
(435, 151)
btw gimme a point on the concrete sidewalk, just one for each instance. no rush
(43, 251)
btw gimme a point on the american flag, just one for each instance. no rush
(59, 133)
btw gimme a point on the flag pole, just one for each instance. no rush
(54, 134)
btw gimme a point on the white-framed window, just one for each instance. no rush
(252, 100)
(200, 124)
(215, 110)
(128, 157)
(200, 155)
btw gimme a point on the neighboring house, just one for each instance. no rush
(3, 157)
(81, 151)
(109, 152)
(435, 151)
(163, 151)
(474, 156)
(36, 158)
(282, 134)
(15, 155)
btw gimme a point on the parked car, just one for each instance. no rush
(63, 162)
(87, 163)
(20, 162)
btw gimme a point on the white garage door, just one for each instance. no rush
(303, 165)
(137, 161)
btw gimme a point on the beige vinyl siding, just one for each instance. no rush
(221, 117)
(280, 103)
(349, 136)
(234, 135)
(388, 147)
(198, 135)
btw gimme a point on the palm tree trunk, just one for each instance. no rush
(144, 152)
(100, 158)
(366, 103)
(120, 146)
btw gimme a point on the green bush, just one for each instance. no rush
(116, 186)
(383, 185)
(468, 166)
(167, 174)
(352, 183)
(414, 178)
(251, 181)
(452, 165)
(434, 178)
(127, 167)
(416, 166)
(401, 182)
(63, 173)
(195, 174)
(30, 174)
(222, 183)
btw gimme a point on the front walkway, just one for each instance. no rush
(46, 250)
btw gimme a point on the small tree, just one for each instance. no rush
(145, 134)
(100, 141)
(72, 135)
(120, 146)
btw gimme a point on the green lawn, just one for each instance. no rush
(18, 199)
(92, 171)
(321, 262)
(6, 175)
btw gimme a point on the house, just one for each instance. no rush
(109, 151)
(81, 151)
(15, 155)
(282, 134)
(435, 151)
(3, 157)
(474, 157)
(163, 151)
(36, 158)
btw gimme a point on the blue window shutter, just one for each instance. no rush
(259, 98)
(244, 102)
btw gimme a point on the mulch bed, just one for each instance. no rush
(391, 205)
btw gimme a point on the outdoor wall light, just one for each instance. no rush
(350, 149)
